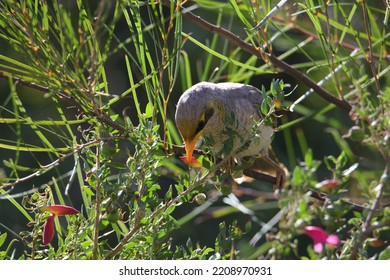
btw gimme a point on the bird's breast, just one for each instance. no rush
(237, 133)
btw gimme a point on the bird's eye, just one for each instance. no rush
(208, 113)
(205, 118)
(200, 126)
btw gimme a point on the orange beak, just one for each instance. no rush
(189, 159)
(190, 146)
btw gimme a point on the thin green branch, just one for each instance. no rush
(95, 252)
(370, 50)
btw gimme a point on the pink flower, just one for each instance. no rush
(321, 237)
(55, 210)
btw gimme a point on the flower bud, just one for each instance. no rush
(200, 198)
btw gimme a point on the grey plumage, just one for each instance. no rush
(225, 115)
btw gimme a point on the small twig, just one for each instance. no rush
(95, 250)
(330, 48)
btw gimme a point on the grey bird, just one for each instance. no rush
(216, 111)
(227, 117)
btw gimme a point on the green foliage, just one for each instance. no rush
(80, 128)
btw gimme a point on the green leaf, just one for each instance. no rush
(169, 210)
(240, 15)
(297, 176)
(88, 191)
(385, 254)
(149, 111)
(264, 107)
(2, 238)
(309, 157)
(224, 57)
(228, 146)
(168, 194)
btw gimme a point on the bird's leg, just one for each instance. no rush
(280, 173)
(266, 164)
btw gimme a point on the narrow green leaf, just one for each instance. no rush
(2, 238)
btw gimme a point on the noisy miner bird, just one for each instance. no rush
(227, 116)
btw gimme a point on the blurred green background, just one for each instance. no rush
(322, 134)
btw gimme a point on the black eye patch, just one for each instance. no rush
(200, 126)
(207, 115)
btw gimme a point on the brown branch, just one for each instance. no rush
(236, 40)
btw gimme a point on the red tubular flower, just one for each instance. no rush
(48, 230)
(193, 163)
(55, 210)
(60, 210)
(321, 237)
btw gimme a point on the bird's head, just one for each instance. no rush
(194, 114)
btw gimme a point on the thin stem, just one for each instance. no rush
(369, 56)
(95, 252)
(331, 50)
(366, 227)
